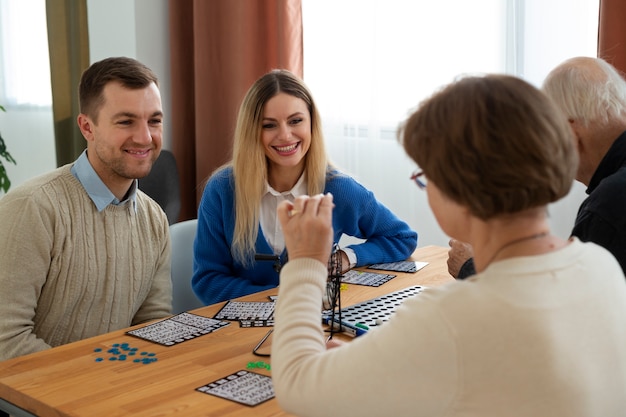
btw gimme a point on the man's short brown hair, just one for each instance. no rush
(129, 72)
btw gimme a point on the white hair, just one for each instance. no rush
(588, 90)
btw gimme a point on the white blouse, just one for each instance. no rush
(269, 220)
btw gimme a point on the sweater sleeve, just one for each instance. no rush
(409, 360)
(25, 259)
(594, 223)
(217, 276)
(359, 214)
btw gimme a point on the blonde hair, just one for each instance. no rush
(250, 167)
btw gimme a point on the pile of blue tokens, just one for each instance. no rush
(123, 352)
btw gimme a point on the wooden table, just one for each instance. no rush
(67, 381)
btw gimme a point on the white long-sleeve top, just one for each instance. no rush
(529, 336)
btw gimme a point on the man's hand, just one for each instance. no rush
(308, 227)
(458, 254)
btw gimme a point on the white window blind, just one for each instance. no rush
(370, 62)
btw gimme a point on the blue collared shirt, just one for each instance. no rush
(96, 189)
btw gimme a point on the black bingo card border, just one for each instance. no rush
(177, 329)
(243, 387)
(246, 310)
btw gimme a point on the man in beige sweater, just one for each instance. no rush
(82, 250)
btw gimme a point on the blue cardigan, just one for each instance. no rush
(218, 277)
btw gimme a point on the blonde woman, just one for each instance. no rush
(278, 155)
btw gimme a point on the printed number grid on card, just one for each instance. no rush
(403, 266)
(243, 387)
(246, 310)
(371, 279)
(177, 329)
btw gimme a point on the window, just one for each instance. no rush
(24, 63)
(370, 60)
(369, 63)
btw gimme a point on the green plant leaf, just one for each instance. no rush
(5, 183)
(4, 153)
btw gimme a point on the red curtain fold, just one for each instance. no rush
(218, 49)
(612, 33)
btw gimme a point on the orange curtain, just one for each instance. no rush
(612, 33)
(218, 48)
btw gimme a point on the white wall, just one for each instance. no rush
(29, 138)
(140, 32)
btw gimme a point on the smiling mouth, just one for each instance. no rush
(144, 152)
(287, 148)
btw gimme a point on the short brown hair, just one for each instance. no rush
(127, 71)
(494, 144)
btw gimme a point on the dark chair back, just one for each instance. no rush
(162, 185)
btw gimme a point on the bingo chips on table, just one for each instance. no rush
(244, 387)
(177, 329)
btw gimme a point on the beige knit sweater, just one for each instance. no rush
(69, 272)
(530, 336)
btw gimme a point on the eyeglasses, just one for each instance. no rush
(421, 183)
